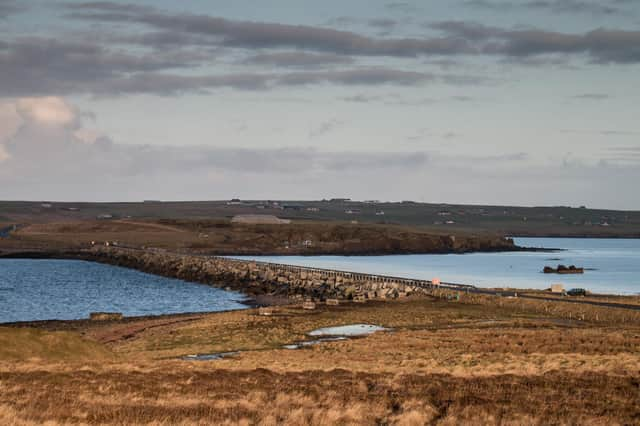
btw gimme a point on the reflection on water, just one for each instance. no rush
(209, 357)
(352, 330)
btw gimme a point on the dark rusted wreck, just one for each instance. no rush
(561, 269)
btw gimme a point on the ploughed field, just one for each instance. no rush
(479, 360)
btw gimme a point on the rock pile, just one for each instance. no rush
(257, 278)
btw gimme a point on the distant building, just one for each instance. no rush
(379, 213)
(46, 205)
(353, 211)
(444, 213)
(557, 288)
(313, 209)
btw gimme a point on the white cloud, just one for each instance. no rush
(50, 110)
(4, 155)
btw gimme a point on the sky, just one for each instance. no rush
(530, 102)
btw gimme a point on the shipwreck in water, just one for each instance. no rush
(562, 269)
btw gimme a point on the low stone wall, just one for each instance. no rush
(257, 278)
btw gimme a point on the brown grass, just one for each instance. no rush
(444, 363)
(26, 344)
(215, 396)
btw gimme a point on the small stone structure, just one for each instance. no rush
(105, 316)
(309, 305)
(557, 288)
(266, 311)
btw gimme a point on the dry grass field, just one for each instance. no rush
(441, 362)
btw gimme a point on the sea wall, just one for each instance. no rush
(258, 278)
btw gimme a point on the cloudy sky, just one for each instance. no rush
(530, 102)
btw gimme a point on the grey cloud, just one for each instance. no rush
(574, 6)
(264, 35)
(460, 38)
(174, 84)
(592, 96)
(602, 45)
(556, 6)
(298, 59)
(364, 76)
(632, 149)
(362, 98)
(623, 154)
(467, 30)
(354, 161)
(384, 23)
(601, 132)
(324, 128)
(38, 65)
(109, 5)
(341, 21)
(10, 7)
(402, 7)
(397, 100)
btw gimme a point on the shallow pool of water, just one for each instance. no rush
(209, 357)
(352, 330)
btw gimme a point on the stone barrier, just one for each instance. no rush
(253, 277)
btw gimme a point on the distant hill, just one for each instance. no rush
(509, 220)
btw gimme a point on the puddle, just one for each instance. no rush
(353, 330)
(299, 345)
(208, 357)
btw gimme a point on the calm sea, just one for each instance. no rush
(614, 265)
(70, 289)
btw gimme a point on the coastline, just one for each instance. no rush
(260, 290)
